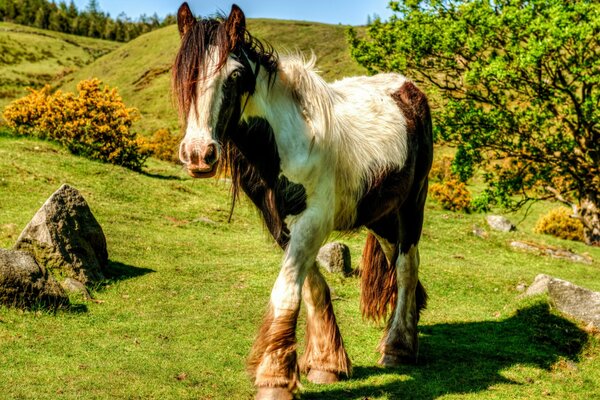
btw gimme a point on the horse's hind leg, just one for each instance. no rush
(325, 358)
(400, 343)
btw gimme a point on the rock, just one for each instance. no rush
(26, 284)
(551, 251)
(73, 286)
(65, 237)
(205, 220)
(539, 285)
(335, 257)
(521, 287)
(500, 223)
(479, 232)
(575, 301)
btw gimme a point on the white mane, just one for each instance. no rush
(313, 94)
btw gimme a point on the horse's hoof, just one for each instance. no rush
(395, 360)
(276, 393)
(322, 377)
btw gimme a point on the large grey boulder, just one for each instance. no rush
(575, 301)
(64, 237)
(335, 257)
(571, 300)
(500, 223)
(24, 283)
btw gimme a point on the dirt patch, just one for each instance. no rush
(147, 77)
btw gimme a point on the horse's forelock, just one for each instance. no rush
(190, 66)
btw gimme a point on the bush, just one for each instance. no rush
(558, 222)
(163, 145)
(452, 194)
(441, 169)
(95, 123)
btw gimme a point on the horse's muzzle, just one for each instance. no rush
(201, 159)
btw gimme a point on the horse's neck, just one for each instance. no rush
(296, 104)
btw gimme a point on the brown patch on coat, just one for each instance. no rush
(324, 345)
(272, 361)
(392, 207)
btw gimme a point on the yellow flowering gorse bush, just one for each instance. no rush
(95, 123)
(452, 194)
(558, 222)
(163, 145)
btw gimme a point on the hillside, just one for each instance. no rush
(32, 57)
(188, 290)
(140, 69)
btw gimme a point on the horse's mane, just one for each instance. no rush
(312, 93)
(190, 63)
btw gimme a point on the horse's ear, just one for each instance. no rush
(236, 25)
(185, 19)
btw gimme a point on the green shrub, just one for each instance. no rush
(95, 123)
(452, 194)
(558, 222)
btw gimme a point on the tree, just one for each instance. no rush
(516, 87)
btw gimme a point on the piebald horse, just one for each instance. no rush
(313, 157)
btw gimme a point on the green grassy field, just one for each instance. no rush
(32, 57)
(187, 291)
(141, 70)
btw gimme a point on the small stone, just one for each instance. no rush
(73, 286)
(479, 232)
(521, 287)
(335, 258)
(205, 220)
(500, 223)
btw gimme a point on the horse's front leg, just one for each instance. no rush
(273, 358)
(325, 358)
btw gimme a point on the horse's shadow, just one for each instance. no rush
(469, 357)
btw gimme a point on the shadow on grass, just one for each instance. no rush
(469, 357)
(160, 176)
(117, 271)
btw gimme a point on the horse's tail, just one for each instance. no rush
(379, 284)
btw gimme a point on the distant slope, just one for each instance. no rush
(140, 69)
(32, 57)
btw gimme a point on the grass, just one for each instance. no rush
(32, 57)
(187, 292)
(141, 68)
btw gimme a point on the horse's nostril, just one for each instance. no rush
(210, 155)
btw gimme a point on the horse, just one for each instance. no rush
(313, 157)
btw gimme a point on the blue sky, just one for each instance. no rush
(329, 11)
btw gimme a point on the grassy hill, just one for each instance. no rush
(32, 57)
(188, 290)
(140, 69)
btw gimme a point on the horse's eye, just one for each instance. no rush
(235, 74)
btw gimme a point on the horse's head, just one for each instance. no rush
(214, 72)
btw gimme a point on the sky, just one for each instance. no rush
(347, 12)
